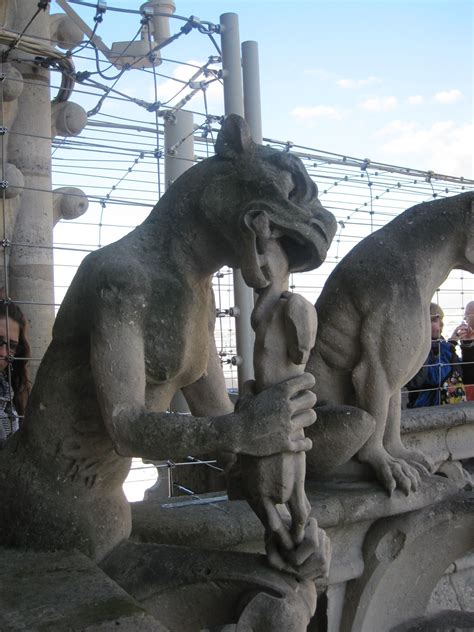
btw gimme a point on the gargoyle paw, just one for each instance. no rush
(398, 474)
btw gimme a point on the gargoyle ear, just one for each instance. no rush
(233, 138)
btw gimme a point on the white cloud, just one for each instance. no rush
(318, 111)
(444, 147)
(319, 73)
(396, 126)
(448, 96)
(379, 104)
(357, 83)
(416, 99)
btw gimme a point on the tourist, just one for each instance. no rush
(14, 382)
(464, 333)
(439, 381)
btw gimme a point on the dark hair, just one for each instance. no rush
(19, 378)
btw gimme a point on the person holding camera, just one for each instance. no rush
(464, 334)
(439, 381)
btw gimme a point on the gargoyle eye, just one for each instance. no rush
(299, 186)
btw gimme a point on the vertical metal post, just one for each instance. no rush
(179, 156)
(179, 153)
(251, 80)
(233, 104)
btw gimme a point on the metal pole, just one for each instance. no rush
(233, 104)
(179, 156)
(179, 145)
(251, 78)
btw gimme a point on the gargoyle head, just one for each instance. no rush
(251, 183)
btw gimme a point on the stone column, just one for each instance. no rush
(31, 261)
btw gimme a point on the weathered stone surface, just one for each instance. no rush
(374, 326)
(455, 590)
(447, 621)
(404, 558)
(435, 417)
(62, 592)
(190, 588)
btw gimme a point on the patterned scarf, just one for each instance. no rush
(8, 414)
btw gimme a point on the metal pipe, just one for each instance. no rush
(233, 104)
(179, 156)
(179, 145)
(251, 83)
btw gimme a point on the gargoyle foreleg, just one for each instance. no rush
(393, 442)
(373, 395)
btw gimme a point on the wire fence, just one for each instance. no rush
(118, 158)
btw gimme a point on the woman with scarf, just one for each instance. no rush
(14, 382)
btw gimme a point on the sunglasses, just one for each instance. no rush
(9, 344)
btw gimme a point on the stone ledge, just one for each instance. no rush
(434, 417)
(223, 524)
(64, 591)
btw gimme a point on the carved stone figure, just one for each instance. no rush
(285, 331)
(135, 327)
(374, 334)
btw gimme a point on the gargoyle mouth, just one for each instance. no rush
(304, 243)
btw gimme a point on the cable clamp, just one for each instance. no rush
(101, 8)
(3, 130)
(147, 13)
(3, 185)
(82, 76)
(193, 22)
(233, 312)
(153, 107)
(5, 243)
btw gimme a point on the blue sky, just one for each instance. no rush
(391, 81)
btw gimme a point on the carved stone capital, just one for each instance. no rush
(15, 181)
(64, 32)
(68, 203)
(67, 119)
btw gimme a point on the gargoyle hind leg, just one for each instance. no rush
(393, 442)
(373, 395)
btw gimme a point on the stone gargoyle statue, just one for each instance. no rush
(374, 333)
(135, 327)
